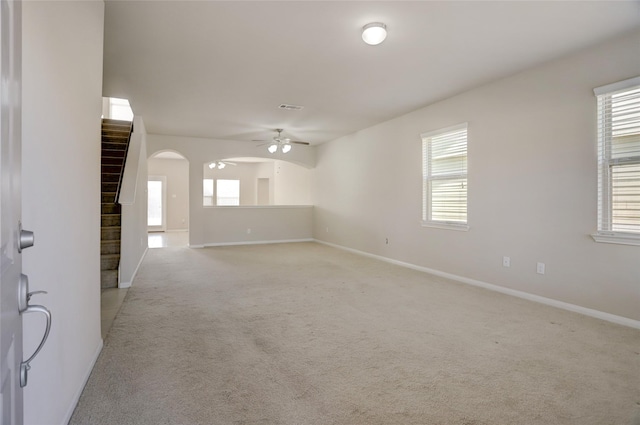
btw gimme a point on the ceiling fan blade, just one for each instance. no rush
(298, 142)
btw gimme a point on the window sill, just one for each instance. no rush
(446, 226)
(617, 238)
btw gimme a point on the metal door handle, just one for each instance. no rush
(25, 366)
(23, 306)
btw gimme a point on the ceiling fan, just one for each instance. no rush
(284, 143)
(220, 164)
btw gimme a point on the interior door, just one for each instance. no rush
(10, 211)
(157, 203)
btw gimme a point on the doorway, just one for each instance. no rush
(168, 221)
(157, 203)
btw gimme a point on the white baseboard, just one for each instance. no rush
(625, 321)
(176, 230)
(252, 242)
(87, 374)
(124, 285)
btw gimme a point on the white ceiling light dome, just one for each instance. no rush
(374, 33)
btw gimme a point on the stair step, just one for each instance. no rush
(108, 279)
(110, 233)
(110, 247)
(109, 177)
(113, 121)
(111, 169)
(115, 138)
(111, 161)
(111, 208)
(109, 261)
(108, 197)
(114, 146)
(109, 186)
(115, 131)
(110, 220)
(113, 153)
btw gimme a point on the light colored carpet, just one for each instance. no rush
(301, 334)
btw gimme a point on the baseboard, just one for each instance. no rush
(252, 242)
(625, 321)
(176, 230)
(124, 285)
(87, 374)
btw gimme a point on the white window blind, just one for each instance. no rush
(444, 172)
(619, 157)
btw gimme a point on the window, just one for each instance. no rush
(619, 162)
(444, 178)
(227, 192)
(207, 192)
(119, 109)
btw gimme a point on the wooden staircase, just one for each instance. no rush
(115, 143)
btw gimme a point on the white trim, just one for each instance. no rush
(617, 238)
(625, 321)
(614, 87)
(87, 374)
(256, 207)
(124, 285)
(176, 230)
(460, 227)
(252, 242)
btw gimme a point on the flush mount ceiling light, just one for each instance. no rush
(374, 33)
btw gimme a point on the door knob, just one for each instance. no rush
(25, 238)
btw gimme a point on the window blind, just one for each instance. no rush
(444, 166)
(619, 158)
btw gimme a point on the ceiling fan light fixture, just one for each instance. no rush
(374, 33)
(286, 148)
(272, 148)
(212, 165)
(221, 165)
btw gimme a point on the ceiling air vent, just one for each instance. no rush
(290, 107)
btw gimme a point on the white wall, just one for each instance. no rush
(236, 225)
(62, 98)
(177, 173)
(292, 184)
(532, 186)
(133, 198)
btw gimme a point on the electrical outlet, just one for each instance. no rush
(327, 230)
(540, 268)
(506, 262)
(248, 231)
(386, 241)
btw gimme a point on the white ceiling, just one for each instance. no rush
(220, 69)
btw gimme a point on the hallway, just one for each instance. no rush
(111, 299)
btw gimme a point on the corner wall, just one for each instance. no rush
(133, 198)
(62, 104)
(532, 186)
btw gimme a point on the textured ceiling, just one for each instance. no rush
(220, 70)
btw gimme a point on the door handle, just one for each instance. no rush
(23, 306)
(25, 366)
